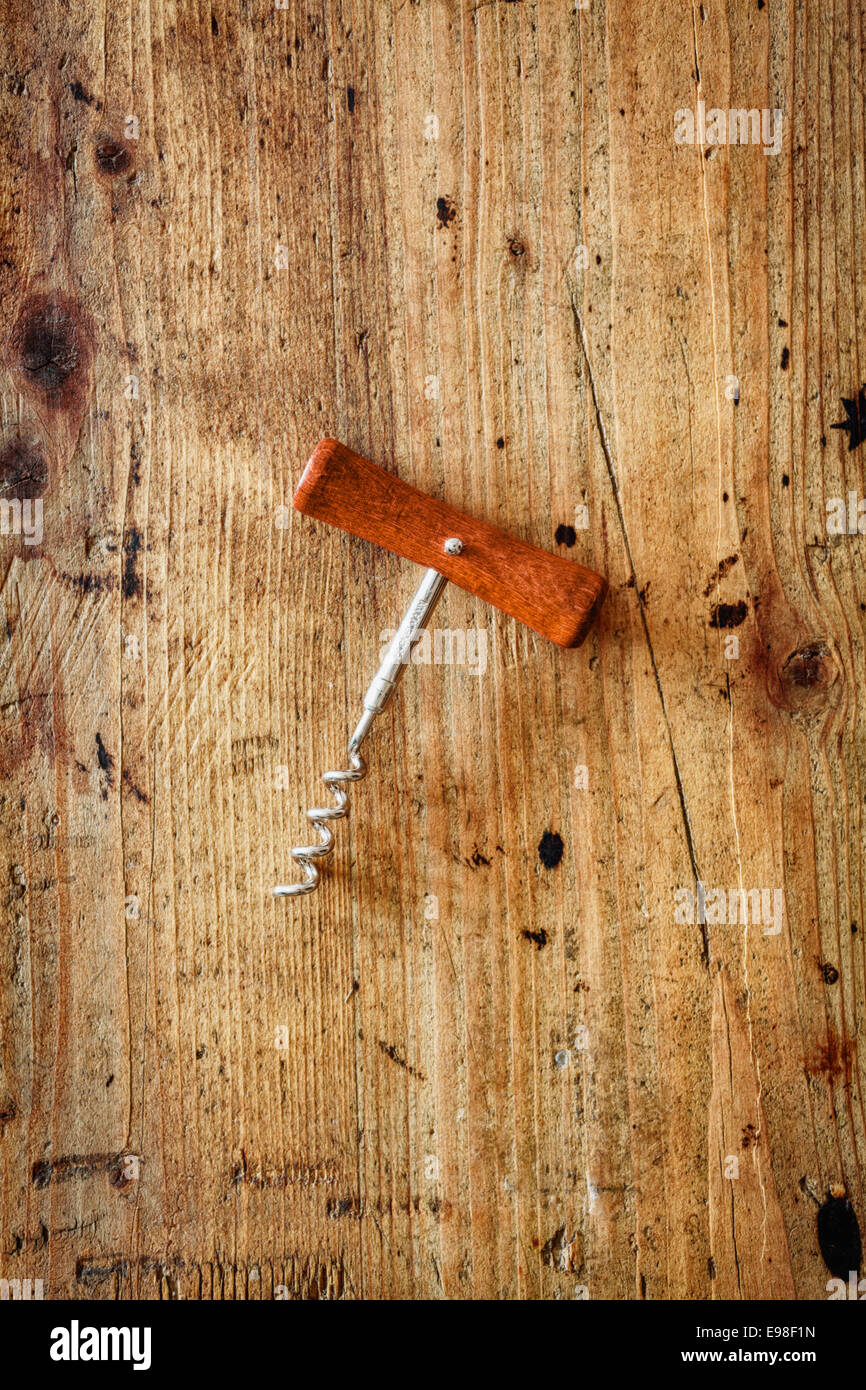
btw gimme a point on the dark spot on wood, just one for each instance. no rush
(786, 481)
(350, 99)
(834, 1058)
(786, 357)
(500, 443)
(136, 790)
(132, 544)
(855, 418)
(89, 1271)
(109, 1081)
(724, 497)
(538, 938)
(23, 470)
(214, 26)
(26, 724)
(553, 1250)
(749, 1136)
(391, 1051)
(80, 94)
(445, 211)
(75, 1166)
(726, 615)
(565, 535)
(104, 758)
(516, 246)
(338, 1207)
(113, 156)
(476, 859)
(90, 583)
(51, 348)
(711, 1267)
(839, 1236)
(723, 567)
(550, 849)
(830, 973)
(106, 763)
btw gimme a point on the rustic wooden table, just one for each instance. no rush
(510, 251)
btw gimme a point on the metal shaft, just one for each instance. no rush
(379, 692)
(398, 653)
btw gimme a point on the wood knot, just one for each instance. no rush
(23, 470)
(517, 249)
(52, 347)
(807, 677)
(113, 157)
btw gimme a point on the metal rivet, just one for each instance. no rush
(453, 546)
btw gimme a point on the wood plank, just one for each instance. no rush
(488, 1058)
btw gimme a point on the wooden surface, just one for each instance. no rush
(457, 1070)
(554, 596)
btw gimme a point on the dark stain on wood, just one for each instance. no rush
(80, 94)
(390, 1050)
(550, 849)
(834, 1058)
(725, 615)
(722, 569)
(75, 1166)
(132, 544)
(839, 1236)
(133, 787)
(106, 763)
(855, 418)
(445, 211)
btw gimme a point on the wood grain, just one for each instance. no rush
(492, 1057)
(553, 596)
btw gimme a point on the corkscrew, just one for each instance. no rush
(556, 597)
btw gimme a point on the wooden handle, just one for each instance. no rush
(552, 595)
